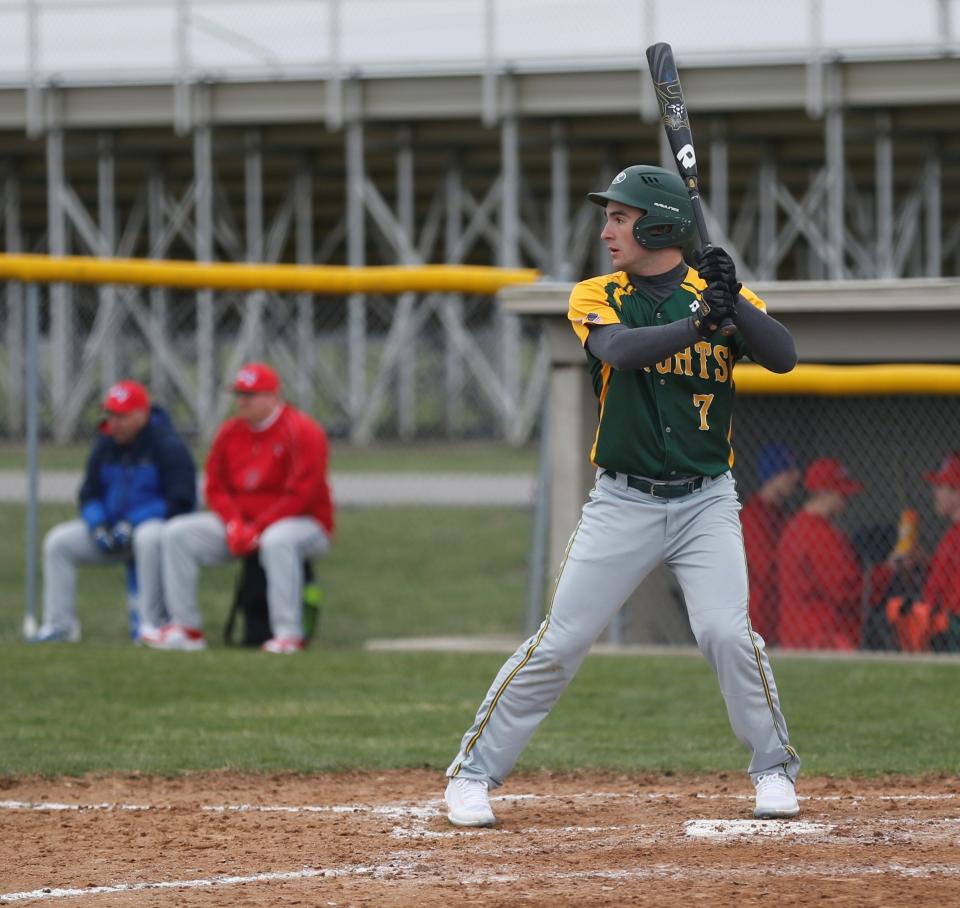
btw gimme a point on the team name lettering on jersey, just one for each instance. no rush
(697, 361)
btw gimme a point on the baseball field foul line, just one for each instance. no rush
(272, 877)
(392, 870)
(428, 811)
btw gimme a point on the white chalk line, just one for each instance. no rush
(429, 810)
(268, 877)
(405, 871)
(386, 810)
(401, 867)
(419, 832)
(53, 806)
(726, 829)
(889, 829)
(685, 873)
(392, 811)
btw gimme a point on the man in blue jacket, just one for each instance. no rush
(139, 474)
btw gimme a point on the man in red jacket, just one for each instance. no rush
(266, 487)
(763, 518)
(820, 580)
(942, 588)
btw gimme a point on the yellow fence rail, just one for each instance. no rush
(325, 279)
(846, 381)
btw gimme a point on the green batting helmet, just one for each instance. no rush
(667, 218)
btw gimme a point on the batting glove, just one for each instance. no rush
(716, 266)
(103, 539)
(122, 534)
(717, 304)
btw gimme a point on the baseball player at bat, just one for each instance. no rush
(664, 493)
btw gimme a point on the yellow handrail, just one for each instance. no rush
(324, 279)
(847, 381)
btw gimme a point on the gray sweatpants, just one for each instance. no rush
(68, 544)
(622, 535)
(201, 539)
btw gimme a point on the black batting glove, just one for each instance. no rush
(103, 539)
(715, 266)
(717, 304)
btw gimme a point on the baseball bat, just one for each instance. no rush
(676, 123)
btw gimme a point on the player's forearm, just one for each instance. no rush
(771, 345)
(633, 348)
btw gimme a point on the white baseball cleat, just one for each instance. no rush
(776, 797)
(175, 637)
(468, 803)
(48, 634)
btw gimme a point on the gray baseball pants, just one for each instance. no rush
(68, 544)
(622, 535)
(201, 539)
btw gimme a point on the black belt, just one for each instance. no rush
(661, 489)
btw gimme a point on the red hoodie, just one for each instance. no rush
(943, 582)
(763, 523)
(261, 477)
(820, 586)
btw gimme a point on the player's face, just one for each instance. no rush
(626, 254)
(255, 408)
(837, 503)
(785, 484)
(125, 427)
(946, 502)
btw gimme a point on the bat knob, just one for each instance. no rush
(728, 328)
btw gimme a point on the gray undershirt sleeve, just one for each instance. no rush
(771, 345)
(633, 348)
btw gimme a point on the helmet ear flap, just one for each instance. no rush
(638, 233)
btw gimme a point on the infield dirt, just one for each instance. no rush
(383, 839)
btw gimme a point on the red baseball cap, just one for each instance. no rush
(254, 378)
(125, 397)
(829, 475)
(948, 474)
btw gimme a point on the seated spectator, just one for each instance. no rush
(894, 567)
(267, 491)
(763, 518)
(942, 588)
(138, 474)
(819, 578)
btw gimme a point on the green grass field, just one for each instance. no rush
(105, 705)
(384, 457)
(100, 708)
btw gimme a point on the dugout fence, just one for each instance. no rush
(887, 442)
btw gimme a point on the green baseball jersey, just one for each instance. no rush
(673, 419)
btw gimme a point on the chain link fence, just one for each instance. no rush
(833, 566)
(843, 544)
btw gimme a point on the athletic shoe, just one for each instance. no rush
(284, 645)
(175, 637)
(48, 634)
(469, 803)
(145, 630)
(776, 797)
